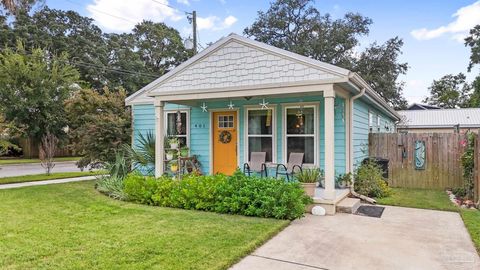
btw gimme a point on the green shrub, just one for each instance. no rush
(369, 181)
(237, 194)
(118, 168)
(8, 148)
(459, 192)
(140, 188)
(111, 186)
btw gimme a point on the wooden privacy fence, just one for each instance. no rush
(31, 150)
(442, 168)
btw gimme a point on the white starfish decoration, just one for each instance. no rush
(231, 105)
(204, 107)
(263, 104)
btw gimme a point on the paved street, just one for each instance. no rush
(36, 168)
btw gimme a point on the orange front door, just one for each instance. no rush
(224, 142)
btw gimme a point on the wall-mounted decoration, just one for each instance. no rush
(264, 104)
(420, 156)
(231, 105)
(204, 107)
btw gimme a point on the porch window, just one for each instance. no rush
(174, 129)
(300, 132)
(260, 129)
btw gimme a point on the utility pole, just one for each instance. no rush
(194, 24)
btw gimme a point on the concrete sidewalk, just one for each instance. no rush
(403, 238)
(47, 182)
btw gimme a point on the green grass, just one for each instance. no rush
(9, 161)
(419, 198)
(41, 177)
(471, 218)
(435, 200)
(71, 226)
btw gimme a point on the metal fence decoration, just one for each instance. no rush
(420, 155)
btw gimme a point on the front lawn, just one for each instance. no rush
(471, 218)
(41, 177)
(419, 198)
(435, 200)
(72, 226)
(10, 161)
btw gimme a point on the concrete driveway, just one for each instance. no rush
(36, 168)
(403, 238)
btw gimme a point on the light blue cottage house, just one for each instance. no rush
(240, 96)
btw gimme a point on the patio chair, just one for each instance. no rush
(294, 164)
(256, 164)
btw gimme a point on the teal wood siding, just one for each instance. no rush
(199, 137)
(360, 132)
(143, 121)
(340, 136)
(361, 128)
(200, 142)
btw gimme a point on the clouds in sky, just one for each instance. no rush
(465, 18)
(121, 16)
(133, 12)
(215, 23)
(185, 2)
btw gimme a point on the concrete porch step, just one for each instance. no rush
(348, 205)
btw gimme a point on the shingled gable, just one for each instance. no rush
(238, 62)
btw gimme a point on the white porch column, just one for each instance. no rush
(329, 144)
(159, 138)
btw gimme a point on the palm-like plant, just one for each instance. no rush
(143, 155)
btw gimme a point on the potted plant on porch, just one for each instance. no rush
(173, 143)
(309, 178)
(184, 151)
(343, 180)
(173, 166)
(170, 154)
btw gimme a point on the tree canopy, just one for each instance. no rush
(128, 60)
(450, 91)
(99, 124)
(297, 26)
(33, 87)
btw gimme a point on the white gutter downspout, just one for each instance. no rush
(352, 190)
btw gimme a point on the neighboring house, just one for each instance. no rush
(269, 100)
(439, 120)
(419, 106)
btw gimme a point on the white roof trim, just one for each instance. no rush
(299, 58)
(341, 72)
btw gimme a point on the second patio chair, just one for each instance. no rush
(294, 165)
(256, 164)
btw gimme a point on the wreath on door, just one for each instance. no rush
(225, 136)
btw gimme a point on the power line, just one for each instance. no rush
(167, 5)
(85, 64)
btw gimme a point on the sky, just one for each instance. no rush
(433, 31)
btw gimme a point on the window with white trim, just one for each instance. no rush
(379, 121)
(370, 120)
(300, 132)
(260, 132)
(177, 127)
